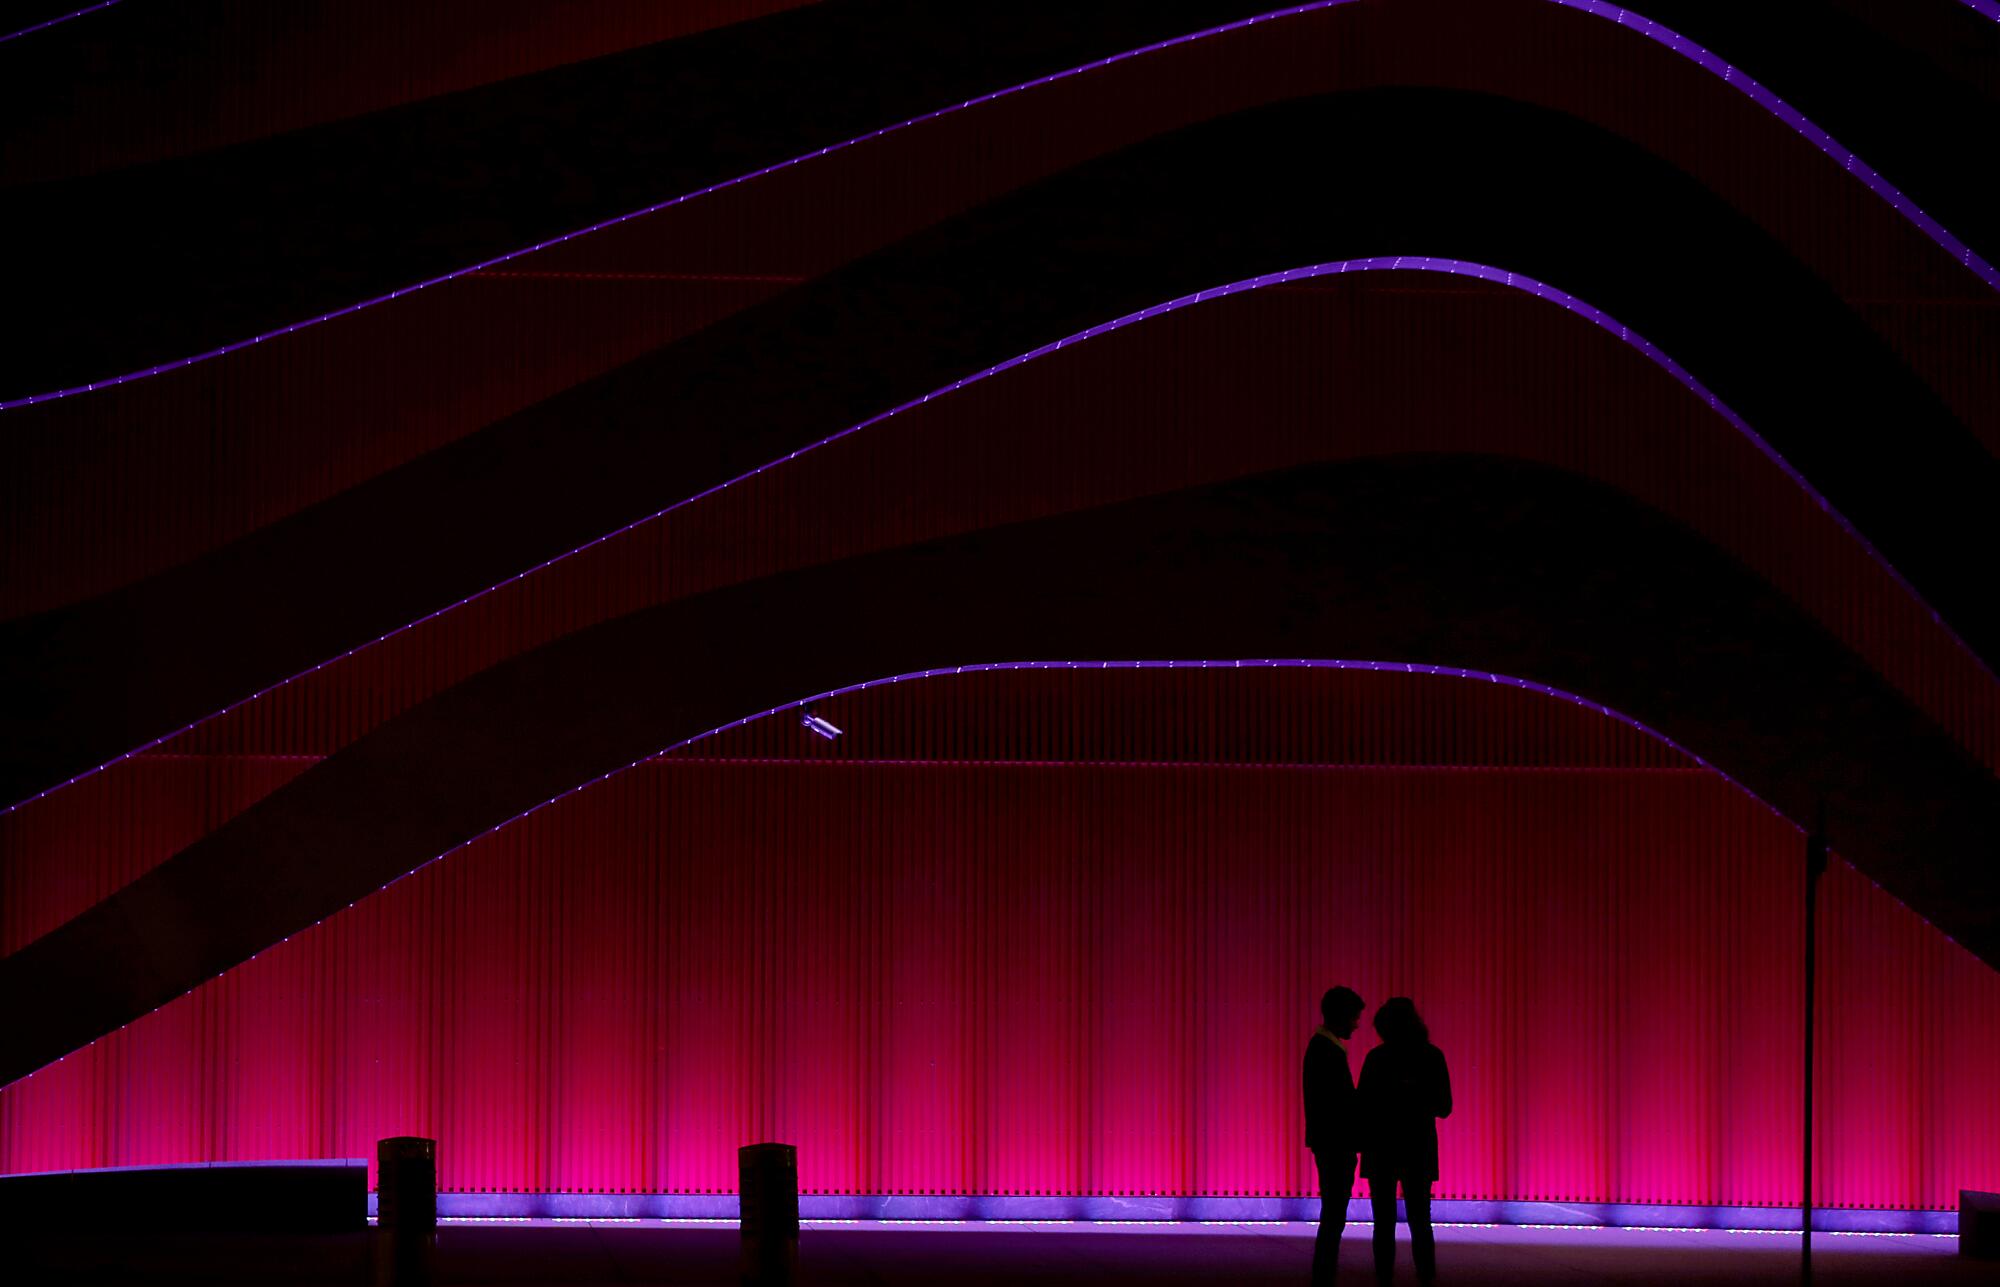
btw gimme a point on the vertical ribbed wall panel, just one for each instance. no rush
(1073, 978)
(1894, 988)
(61, 854)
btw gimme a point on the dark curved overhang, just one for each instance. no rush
(171, 78)
(1955, 39)
(1298, 370)
(1958, 38)
(466, 351)
(131, 454)
(1478, 563)
(270, 234)
(1558, 200)
(267, 232)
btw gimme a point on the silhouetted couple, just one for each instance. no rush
(1389, 1119)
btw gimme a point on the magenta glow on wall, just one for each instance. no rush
(1018, 941)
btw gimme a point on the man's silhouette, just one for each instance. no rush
(1330, 1125)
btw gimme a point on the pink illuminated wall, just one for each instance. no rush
(1014, 936)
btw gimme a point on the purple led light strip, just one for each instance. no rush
(1623, 17)
(57, 22)
(1384, 263)
(1168, 1212)
(1785, 112)
(1984, 8)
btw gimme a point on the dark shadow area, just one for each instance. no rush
(267, 233)
(1559, 200)
(1461, 561)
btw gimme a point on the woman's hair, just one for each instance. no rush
(1396, 1020)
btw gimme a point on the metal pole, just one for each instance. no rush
(1815, 868)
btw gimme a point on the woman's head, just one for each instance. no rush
(1397, 1021)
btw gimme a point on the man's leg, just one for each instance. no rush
(1423, 1243)
(1336, 1186)
(1382, 1201)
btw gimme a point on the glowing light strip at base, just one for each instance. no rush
(1381, 263)
(57, 22)
(1638, 23)
(1168, 1211)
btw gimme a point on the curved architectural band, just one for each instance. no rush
(556, 477)
(1347, 560)
(1736, 78)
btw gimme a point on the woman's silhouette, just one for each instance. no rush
(1404, 1089)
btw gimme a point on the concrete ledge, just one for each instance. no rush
(327, 1196)
(1979, 1224)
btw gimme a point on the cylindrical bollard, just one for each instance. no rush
(406, 1209)
(406, 1184)
(767, 1180)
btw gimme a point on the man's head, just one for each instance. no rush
(1340, 1009)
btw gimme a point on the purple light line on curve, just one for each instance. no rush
(1791, 116)
(979, 668)
(670, 202)
(1380, 263)
(1984, 8)
(1623, 17)
(57, 22)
